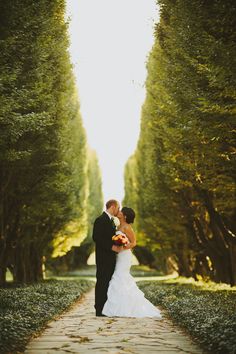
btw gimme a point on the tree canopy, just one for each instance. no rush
(183, 170)
(43, 149)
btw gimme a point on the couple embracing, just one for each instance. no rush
(116, 292)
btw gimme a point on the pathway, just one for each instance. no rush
(79, 331)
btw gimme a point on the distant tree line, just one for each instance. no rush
(45, 184)
(181, 178)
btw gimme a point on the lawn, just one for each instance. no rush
(206, 310)
(89, 272)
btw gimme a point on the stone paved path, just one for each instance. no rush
(79, 331)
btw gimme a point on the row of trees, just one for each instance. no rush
(45, 165)
(181, 178)
(64, 259)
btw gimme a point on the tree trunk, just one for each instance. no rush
(226, 241)
(182, 254)
(35, 269)
(232, 251)
(28, 264)
(81, 254)
(201, 267)
(144, 256)
(3, 276)
(19, 266)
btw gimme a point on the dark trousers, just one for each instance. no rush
(103, 277)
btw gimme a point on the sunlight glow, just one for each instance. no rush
(110, 41)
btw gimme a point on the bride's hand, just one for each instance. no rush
(117, 248)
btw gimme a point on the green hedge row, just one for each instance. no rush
(25, 309)
(208, 312)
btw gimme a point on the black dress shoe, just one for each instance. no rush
(100, 315)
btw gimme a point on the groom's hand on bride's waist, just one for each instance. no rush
(117, 248)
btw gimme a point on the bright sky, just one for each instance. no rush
(110, 41)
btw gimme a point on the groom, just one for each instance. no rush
(103, 230)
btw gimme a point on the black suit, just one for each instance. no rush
(103, 231)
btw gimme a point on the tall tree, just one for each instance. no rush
(75, 257)
(43, 143)
(94, 209)
(186, 152)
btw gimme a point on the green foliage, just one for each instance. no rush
(73, 252)
(95, 196)
(79, 255)
(43, 151)
(185, 158)
(208, 312)
(25, 310)
(131, 193)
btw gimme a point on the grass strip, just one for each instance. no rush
(26, 309)
(206, 310)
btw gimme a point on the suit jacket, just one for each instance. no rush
(103, 230)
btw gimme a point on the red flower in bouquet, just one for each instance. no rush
(120, 240)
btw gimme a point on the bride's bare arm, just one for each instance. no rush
(131, 236)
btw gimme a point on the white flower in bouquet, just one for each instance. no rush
(116, 221)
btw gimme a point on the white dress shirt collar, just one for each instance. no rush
(110, 216)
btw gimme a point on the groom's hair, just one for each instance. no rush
(111, 202)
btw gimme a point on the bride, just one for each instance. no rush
(124, 298)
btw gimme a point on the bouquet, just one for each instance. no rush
(120, 239)
(116, 221)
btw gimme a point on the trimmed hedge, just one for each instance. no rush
(26, 309)
(207, 311)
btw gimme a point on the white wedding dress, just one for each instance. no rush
(124, 298)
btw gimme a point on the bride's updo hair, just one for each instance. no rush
(129, 214)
